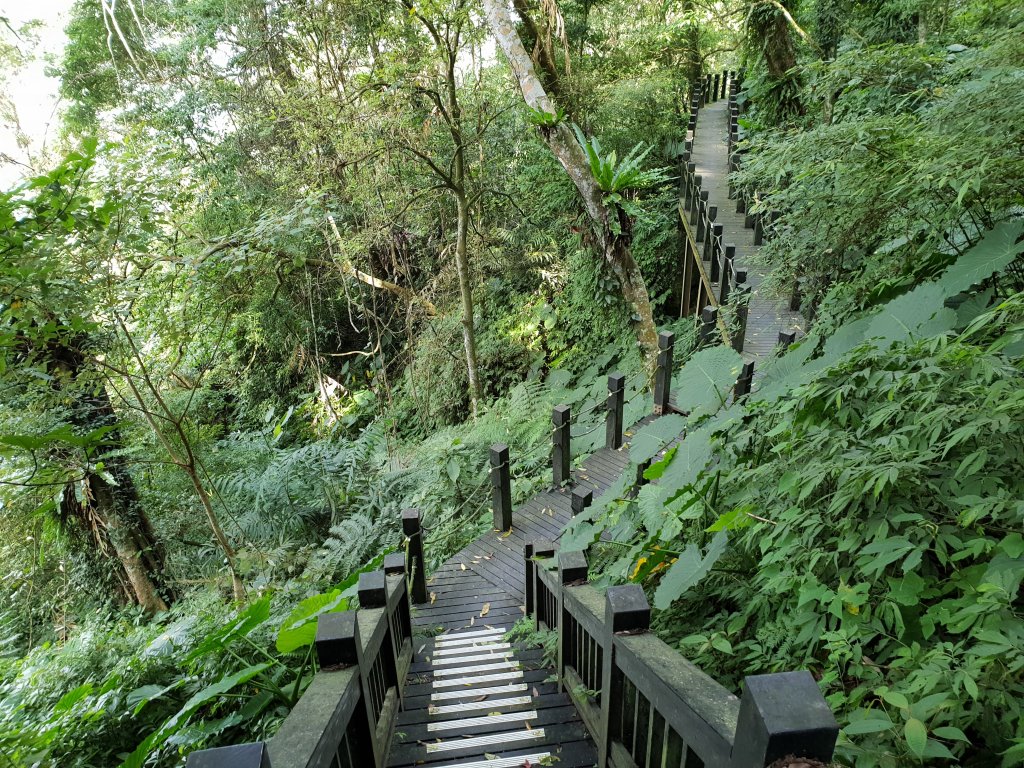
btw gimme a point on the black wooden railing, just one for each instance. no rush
(346, 717)
(703, 238)
(646, 705)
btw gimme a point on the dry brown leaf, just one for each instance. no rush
(472, 620)
(485, 610)
(462, 566)
(536, 693)
(433, 597)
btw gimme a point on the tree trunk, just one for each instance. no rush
(563, 144)
(466, 289)
(111, 513)
(133, 548)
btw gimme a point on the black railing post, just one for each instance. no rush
(640, 480)
(743, 383)
(501, 487)
(534, 549)
(741, 203)
(372, 590)
(337, 645)
(702, 218)
(717, 87)
(782, 714)
(626, 610)
(785, 339)
(716, 251)
(742, 302)
(614, 406)
(708, 326)
(663, 375)
(253, 755)
(581, 499)
(728, 266)
(759, 229)
(796, 298)
(394, 565)
(572, 570)
(696, 210)
(692, 183)
(415, 566)
(561, 455)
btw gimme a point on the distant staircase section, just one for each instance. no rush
(723, 279)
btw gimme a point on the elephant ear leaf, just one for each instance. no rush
(703, 384)
(688, 570)
(175, 723)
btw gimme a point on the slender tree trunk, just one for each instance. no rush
(466, 289)
(185, 458)
(128, 542)
(563, 144)
(111, 512)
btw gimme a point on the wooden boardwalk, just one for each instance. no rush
(471, 700)
(768, 315)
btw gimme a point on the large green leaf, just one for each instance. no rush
(173, 724)
(299, 629)
(652, 438)
(919, 313)
(689, 569)
(689, 461)
(993, 252)
(703, 384)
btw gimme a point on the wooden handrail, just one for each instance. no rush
(346, 716)
(643, 702)
(690, 248)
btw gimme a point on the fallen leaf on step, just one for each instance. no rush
(480, 698)
(493, 714)
(433, 597)
(527, 726)
(536, 693)
(506, 534)
(489, 756)
(472, 620)
(420, 650)
(462, 566)
(485, 610)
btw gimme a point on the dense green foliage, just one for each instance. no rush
(285, 250)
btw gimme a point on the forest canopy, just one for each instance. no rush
(289, 268)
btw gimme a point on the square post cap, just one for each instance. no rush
(394, 563)
(709, 314)
(539, 548)
(499, 454)
(616, 382)
(560, 415)
(581, 499)
(783, 714)
(704, 195)
(373, 589)
(410, 521)
(253, 755)
(337, 639)
(666, 339)
(627, 609)
(572, 567)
